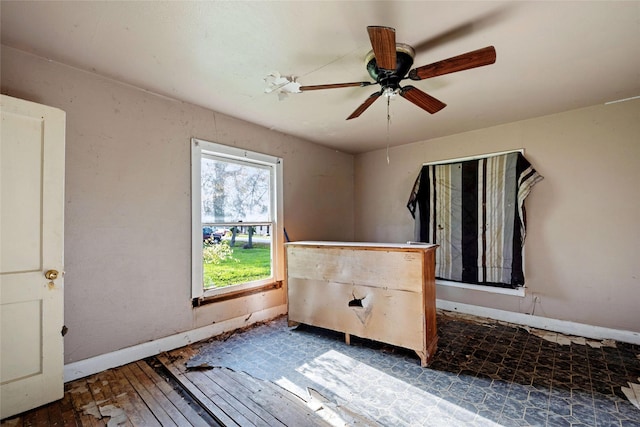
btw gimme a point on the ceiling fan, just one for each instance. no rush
(389, 62)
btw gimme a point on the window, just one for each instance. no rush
(236, 221)
(474, 210)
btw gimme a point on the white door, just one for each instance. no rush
(31, 247)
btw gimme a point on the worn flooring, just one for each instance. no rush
(484, 373)
(162, 391)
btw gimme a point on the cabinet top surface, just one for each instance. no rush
(365, 245)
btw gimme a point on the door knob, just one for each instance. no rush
(51, 274)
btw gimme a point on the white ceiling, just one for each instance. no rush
(551, 57)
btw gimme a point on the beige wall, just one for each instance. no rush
(128, 219)
(583, 238)
(128, 205)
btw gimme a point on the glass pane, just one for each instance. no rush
(233, 192)
(239, 255)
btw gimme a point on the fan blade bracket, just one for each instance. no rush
(466, 61)
(334, 86)
(421, 99)
(383, 41)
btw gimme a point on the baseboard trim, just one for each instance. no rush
(93, 365)
(555, 325)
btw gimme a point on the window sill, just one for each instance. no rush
(197, 302)
(519, 292)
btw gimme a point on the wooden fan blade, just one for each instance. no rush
(383, 41)
(421, 99)
(366, 104)
(334, 86)
(466, 61)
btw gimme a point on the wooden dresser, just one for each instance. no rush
(380, 291)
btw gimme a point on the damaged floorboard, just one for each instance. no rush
(237, 398)
(162, 391)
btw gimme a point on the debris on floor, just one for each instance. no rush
(116, 415)
(92, 409)
(335, 414)
(563, 339)
(633, 393)
(484, 321)
(550, 336)
(102, 409)
(197, 366)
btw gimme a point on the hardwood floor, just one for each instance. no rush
(162, 391)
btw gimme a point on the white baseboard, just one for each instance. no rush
(93, 365)
(538, 322)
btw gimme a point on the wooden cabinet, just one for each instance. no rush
(379, 291)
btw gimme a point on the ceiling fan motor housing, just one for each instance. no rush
(391, 78)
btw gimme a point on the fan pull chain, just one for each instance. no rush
(388, 121)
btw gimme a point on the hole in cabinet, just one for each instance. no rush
(356, 302)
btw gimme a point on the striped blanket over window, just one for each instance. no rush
(475, 211)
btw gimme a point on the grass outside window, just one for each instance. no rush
(243, 265)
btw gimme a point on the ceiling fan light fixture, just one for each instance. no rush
(390, 92)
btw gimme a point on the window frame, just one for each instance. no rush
(200, 148)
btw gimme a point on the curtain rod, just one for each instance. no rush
(479, 156)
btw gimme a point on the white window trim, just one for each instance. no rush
(198, 147)
(518, 292)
